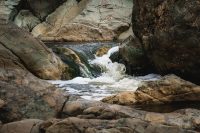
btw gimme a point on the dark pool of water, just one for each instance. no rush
(167, 108)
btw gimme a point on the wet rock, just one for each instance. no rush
(24, 126)
(26, 20)
(169, 35)
(133, 57)
(18, 48)
(86, 21)
(102, 51)
(167, 90)
(69, 57)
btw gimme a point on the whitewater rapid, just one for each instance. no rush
(112, 80)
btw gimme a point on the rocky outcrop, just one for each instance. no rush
(86, 21)
(26, 20)
(168, 32)
(90, 116)
(102, 51)
(167, 90)
(18, 48)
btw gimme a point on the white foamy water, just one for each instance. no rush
(111, 81)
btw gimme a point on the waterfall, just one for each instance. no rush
(112, 79)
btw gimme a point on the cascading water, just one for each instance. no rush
(111, 80)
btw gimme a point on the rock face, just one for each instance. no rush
(26, 20)
(88, 20)
(168, 32)
(27, 52)
(167, 90)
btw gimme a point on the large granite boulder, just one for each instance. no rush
(168, 32)
(87, 20)
(169, 89)
(18, 48)
(32, 99)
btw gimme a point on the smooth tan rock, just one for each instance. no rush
(24, 126)
(169, 89)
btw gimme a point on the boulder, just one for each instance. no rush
(24, 126)
(88, 20)
(37, 100)
(168, 32)
(102, 51)
(25, 95)
(19, 48)
(167, 90)
(26, 20)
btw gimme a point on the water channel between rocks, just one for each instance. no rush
(92, 85)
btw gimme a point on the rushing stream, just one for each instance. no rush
(111, 80)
